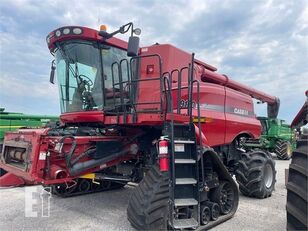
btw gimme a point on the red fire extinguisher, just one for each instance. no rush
(163, 154)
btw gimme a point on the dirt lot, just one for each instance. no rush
(107, 210)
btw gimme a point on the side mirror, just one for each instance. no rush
(52, 72)
(133, 46)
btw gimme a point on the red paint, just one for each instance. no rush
(88, 34)
(11, 180)
(89, 116)
(225, 81)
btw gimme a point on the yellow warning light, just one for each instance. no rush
(103, 27)
(202, 120)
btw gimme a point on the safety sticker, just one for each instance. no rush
(179, 147)
(42, 156)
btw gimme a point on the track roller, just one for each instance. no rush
(84, 186)
(205, 215)
(215, 210)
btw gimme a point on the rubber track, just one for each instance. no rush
(281, 150)
(297, 188)
(249, 174)
(93, 189)
(148, 205)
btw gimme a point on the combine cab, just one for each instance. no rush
(154, 116)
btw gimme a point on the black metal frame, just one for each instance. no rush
(165, 83)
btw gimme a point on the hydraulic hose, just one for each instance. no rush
(76, 167)
(68, 156)
(80, 167)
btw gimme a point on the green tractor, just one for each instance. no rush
(277, 137)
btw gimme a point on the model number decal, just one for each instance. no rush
(214, 107)
(184, 104)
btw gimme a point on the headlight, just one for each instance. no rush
(77, 31)
(58, 33)
(66, 31)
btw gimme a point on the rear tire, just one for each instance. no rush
(148, 205)
(283, 150)
(297, 188)
(256, 174)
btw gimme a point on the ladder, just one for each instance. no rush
(184, 180)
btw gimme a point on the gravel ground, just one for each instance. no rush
(107, 210)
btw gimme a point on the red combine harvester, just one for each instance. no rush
(154, 115)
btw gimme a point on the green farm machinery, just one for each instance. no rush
(277, 136)
(10, 121)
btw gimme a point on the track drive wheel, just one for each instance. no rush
(283, 150)
(224, 196)
(297, 188)
(148, 205)
(256, 174)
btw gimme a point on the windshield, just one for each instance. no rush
(87, 75)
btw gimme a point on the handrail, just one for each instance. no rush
(113, 85)
(190, 80)
(199, 123)
(167, 93)
(160, 72)
(180, 87)
(166, 89)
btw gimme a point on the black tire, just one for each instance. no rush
(297, 188)
(148, 205)
(223, 195)
(283, 150)
(256, 174)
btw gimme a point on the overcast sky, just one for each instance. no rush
(263, 44)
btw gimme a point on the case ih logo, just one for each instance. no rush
(240, 111)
